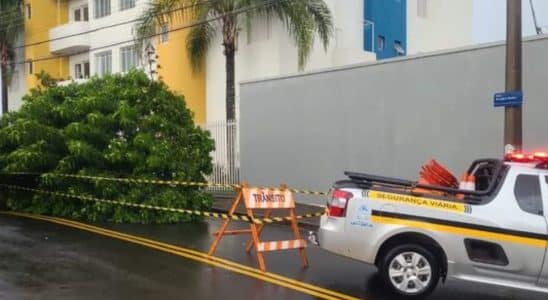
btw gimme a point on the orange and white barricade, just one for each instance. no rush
(268, 200)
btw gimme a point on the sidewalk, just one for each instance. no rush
(223, 203)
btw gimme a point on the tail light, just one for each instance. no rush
(337, 206)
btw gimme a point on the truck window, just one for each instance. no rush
(527, 192)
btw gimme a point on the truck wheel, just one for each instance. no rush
(410, 270)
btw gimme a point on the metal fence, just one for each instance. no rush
(226, 157)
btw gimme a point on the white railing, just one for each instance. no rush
(69, 38)
(226, 157)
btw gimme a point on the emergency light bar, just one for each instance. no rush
(528, 158)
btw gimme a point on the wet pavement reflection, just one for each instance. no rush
(41, 260)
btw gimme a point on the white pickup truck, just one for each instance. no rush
(496, 233)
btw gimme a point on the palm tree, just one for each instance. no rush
(11, 23)
(302, 18)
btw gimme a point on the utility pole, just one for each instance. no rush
(512, 114)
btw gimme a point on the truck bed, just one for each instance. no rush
(490, 172)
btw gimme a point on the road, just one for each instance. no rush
(44, 260)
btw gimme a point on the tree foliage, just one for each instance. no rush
(116, 126)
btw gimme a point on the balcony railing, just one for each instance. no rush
(69, 38)
(67, 82)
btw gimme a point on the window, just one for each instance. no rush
(15, 80)
(421, 8)
(102, 8)
(31, 68)
(398, 47)
(268, 28)
(164, 33)
(81, 70)
(380, 43)
(86, 69)
(81, 14)
(103, 63)
(28, 11)
(128, 58)
(527, 192)
(127, 4)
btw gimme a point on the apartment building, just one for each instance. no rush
(73, 40)
(268, 50)
(405, 27)
(364, 31)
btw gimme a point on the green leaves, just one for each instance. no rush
(117, 126)
(303, 20)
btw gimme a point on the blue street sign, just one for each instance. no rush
(508, 99)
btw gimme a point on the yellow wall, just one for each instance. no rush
(175, 68)
(45, 14)
(176, 71)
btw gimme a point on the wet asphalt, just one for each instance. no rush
(42, 260)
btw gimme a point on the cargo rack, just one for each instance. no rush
(496, 165)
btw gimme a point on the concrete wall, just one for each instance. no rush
(386, 118)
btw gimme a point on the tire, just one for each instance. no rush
(404, 270)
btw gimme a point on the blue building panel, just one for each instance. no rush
(385, 28)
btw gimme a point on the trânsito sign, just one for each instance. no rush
(508, 99)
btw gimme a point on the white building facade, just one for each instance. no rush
(17, 86)
(434, 25)
(107, 47)
(268, 50)
(364, 30)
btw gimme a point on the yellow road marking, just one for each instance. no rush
(198, 256)
(462, 231)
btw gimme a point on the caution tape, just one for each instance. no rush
(131, 180)
(210, 214)
(160, 182)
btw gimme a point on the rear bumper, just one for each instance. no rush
(330, 235)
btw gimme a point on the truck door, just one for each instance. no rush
(543, 279)
(521, 256)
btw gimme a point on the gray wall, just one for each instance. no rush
(386, 118)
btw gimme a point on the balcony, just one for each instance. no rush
(77, 41)
(77, 81)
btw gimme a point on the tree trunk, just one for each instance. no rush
(230, 90)
(230, 109)
(4, 88)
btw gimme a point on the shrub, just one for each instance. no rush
(116, 126)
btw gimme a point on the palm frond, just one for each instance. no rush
(198, 42)
(158, 12)
(323, 20)
(303, 19)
